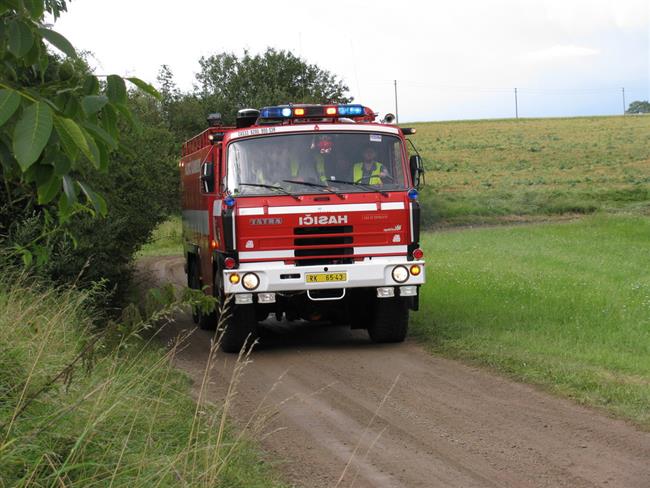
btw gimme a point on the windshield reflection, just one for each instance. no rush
(314, 163)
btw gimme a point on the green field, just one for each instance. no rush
(566, 306)
(509, 170)
(166, 240)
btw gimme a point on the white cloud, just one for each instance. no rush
(562, 51)
(444, 53)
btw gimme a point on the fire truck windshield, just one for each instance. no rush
(365, 161)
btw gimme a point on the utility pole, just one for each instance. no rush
(396, 111)
(623, 93)
(516, 106)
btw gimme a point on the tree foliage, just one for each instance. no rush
(227, 83)
(141, 190)
(639, 107)
(56, 119)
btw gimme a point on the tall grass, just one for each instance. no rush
(86, 407)
(564, 305)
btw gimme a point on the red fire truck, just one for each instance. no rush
(307, 212)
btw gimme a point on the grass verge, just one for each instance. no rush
(566, 306)
(166, 239)
(79, 407)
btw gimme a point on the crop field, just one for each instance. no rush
(563, 305)
(501, 170)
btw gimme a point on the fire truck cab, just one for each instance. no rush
(307, 212)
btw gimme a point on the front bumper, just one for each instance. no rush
(279, 277)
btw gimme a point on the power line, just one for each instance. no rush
(528, 90)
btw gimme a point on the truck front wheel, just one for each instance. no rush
(391, 320)
(239, 328)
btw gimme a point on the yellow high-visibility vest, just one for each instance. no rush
(374, 179)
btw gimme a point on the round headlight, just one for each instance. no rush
(250, 281)
(400, 274)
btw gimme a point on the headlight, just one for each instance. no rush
(400, 274)
(250, 281)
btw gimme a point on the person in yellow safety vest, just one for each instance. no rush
(369, 171)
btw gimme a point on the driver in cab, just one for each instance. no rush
(369, 171)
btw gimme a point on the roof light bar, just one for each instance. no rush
(315, 111)
(275, 112)
(351, 110)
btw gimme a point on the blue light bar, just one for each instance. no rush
(352, 110)
(275, 112)
(315, 111)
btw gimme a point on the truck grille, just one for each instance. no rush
(323, 245)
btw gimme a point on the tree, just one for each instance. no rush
(184, 113)
(56, 119)
(638, 107)
(227, 83)
(141, 190)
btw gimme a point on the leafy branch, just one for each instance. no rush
(56, 116)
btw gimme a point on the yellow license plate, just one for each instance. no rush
(325, 277)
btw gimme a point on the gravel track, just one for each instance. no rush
(394, 415)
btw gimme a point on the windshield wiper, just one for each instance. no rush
(317, 185)
(272, 187)
(362, 185)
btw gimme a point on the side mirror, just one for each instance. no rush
(207, 177)
(415, 166)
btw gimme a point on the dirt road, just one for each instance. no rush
(397, 416)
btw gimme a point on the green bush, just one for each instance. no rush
(141, 190)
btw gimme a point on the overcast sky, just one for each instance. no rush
(452, 59)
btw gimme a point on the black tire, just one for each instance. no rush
(194, 283)
(391, 320)
(208, 321)
(240, 328)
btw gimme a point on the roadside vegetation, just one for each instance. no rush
(565, 306)
(492, 171)
(166, 239)
(82, 406)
